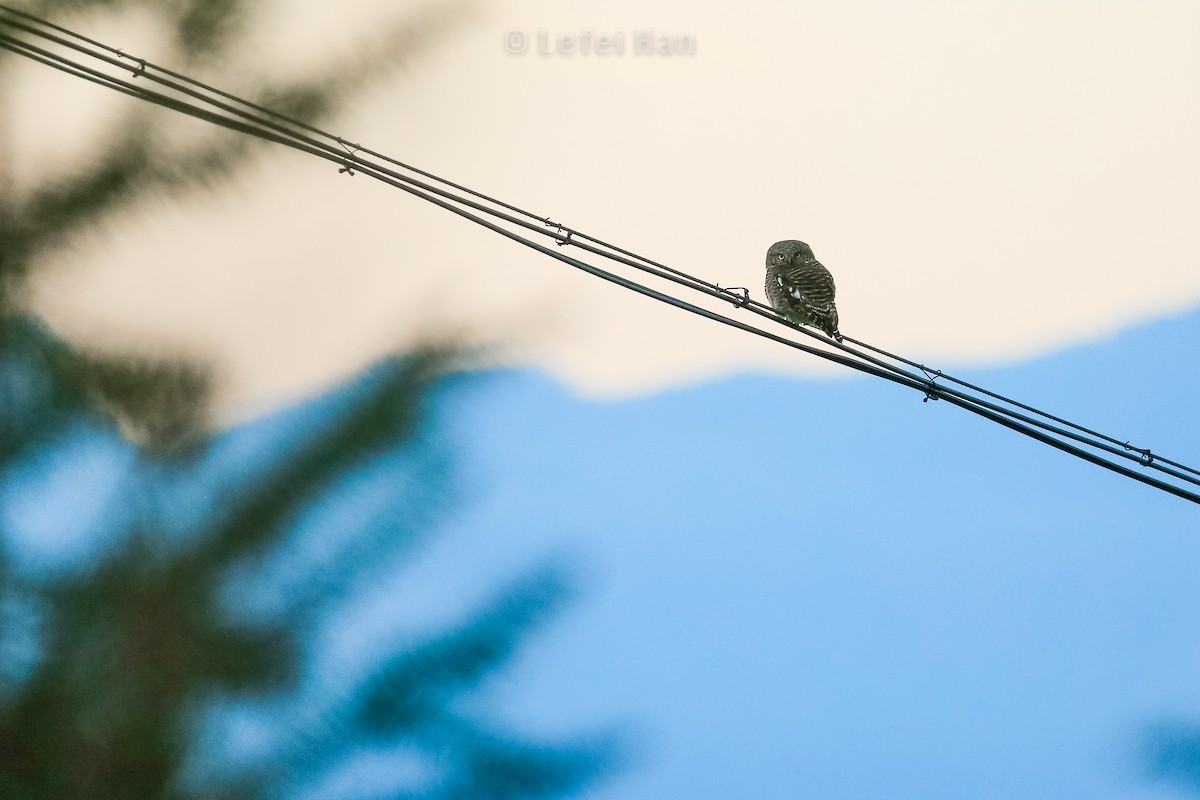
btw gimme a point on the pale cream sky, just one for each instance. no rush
(986, 181)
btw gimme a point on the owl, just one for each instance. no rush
(799, 288)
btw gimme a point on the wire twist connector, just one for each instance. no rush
(1145, 457)
(931, 392)
(560, 239)
(740, 292)
(351, 152)
(141, 63)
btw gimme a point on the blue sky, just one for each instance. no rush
(831, 589)
(794, 587)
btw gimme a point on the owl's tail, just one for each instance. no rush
(827, 321)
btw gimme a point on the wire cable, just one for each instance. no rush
(234, 113)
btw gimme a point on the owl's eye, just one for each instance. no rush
(781, 256)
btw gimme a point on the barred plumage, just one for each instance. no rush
(800, 289)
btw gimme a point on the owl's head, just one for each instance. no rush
(789, 251)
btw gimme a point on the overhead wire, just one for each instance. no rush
(246, 117)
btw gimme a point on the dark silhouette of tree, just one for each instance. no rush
(107, 671)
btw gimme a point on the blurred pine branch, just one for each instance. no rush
(1171, 754)
(106, 671)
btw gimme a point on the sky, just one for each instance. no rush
(792, 581)
(870, 597)
(846, 592)
(987, 182)
(879, 598)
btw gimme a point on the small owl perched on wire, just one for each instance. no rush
(799, 288)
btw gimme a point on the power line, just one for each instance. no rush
(229, 111)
